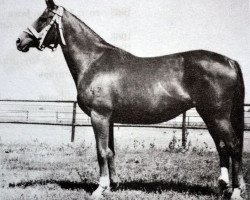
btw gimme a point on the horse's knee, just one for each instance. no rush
(106, 153)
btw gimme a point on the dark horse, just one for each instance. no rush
(114, 86)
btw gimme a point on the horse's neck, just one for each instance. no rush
(83, 46)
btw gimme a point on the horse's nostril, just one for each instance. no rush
(18, 41)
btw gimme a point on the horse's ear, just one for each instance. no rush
(50, 4)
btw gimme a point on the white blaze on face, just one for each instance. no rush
(224, 175)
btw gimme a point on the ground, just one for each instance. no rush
(40, 170)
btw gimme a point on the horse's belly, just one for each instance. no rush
(149, 115)
(151, 102)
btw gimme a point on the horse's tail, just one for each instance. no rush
(237, 112)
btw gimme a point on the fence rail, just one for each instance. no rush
(36, 114)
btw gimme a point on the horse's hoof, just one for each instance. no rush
(99, 192)
(223, 185)
(223, 189)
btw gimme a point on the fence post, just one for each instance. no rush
(184, 139)
(73, 122)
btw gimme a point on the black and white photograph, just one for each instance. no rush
(125, 100)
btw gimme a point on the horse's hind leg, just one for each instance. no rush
(215, 132)
(228, 144)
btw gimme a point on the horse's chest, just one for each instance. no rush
(96, 94)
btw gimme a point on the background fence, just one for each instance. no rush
(67, 113)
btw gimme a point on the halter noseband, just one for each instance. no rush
(42, 35)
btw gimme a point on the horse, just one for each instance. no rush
(115, 86)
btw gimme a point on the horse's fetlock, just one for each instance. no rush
(104, 182)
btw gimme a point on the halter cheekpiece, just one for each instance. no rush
(43, 33)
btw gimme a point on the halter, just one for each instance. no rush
(57, 18)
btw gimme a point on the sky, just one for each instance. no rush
(144, 28)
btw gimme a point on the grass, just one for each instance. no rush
(69, 171)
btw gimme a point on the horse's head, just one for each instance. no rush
(46, 31)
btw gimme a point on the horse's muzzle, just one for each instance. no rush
(24, 42)
(20, 47)
(18, 44)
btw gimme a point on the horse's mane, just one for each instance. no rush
(99, 39)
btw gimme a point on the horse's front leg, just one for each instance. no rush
(101, 125)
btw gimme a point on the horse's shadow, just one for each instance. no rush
(150, 187)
